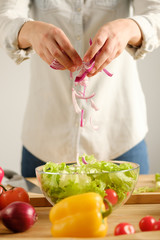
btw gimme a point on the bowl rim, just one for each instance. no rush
(137, 166)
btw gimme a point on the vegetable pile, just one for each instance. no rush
(16, 212)
(95, 176)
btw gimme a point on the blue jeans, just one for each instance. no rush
(28, 163)
(137, 154)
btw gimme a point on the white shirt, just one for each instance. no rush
(51, 128)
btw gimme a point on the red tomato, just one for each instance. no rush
(124, 228)
(111, 196)
(147, 223)
(12, 195)
(156, 226)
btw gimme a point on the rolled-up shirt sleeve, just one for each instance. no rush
(147, 16)
(13, 14)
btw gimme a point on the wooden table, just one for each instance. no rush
(132, 212)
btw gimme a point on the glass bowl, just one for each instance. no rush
(116, 186)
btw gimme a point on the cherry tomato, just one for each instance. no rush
(147, 223)
(156, 226)
(12, 195)
(124, 228)
(111, 196)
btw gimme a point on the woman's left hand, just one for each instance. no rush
(111, 40)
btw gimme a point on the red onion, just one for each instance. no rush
(18, 216)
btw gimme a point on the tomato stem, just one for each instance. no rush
(108, 212)
(3, 188)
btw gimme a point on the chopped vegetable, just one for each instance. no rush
(12, 195)
(95, 176)
(146, 189)
(157, 179)
(82, 215)
(18, 216)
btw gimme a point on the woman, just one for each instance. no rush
(122, 31)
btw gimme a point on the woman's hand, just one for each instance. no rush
(50, 43)
(111, 40)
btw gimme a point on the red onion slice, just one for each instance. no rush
(75, 104)
(108, 73)
(93, 105)
(84, 160)
(82, 120)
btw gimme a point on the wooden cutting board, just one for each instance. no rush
(128, 213)
(38, 200)
(149, 197)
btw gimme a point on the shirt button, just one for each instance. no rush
(78, 37)
(78, 9)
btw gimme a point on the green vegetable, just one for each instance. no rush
(157, 178)
(145, 189)
(95, 176)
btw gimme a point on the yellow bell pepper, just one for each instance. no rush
(82, 215)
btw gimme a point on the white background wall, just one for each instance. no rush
(14, 83)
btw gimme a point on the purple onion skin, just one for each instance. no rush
(18, 216)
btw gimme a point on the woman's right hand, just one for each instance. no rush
(50, 43)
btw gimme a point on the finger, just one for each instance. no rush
(66, 45)
(43, 56)
(60, 56)
(107, 62)
(48, 56)
(97, 44)
(105, 56)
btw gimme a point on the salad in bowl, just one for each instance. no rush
(113, 180)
